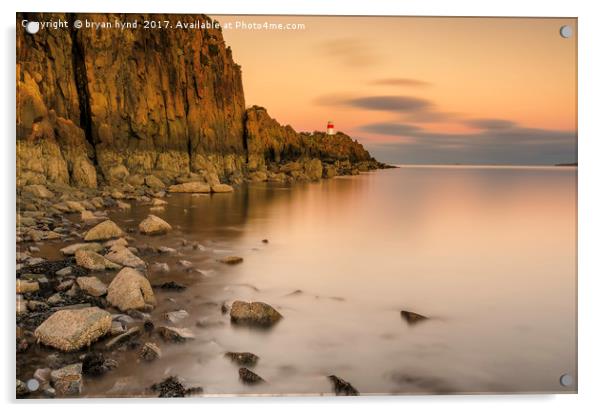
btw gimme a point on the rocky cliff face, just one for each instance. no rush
(110, 106)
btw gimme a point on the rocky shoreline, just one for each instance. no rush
(97, 301)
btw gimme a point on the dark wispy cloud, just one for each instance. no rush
(497, 142)
(400, 81)
(350, 51)
(394, 104)
(490, 124)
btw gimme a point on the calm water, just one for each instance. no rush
(488, 253)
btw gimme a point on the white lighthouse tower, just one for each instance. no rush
(330, 128)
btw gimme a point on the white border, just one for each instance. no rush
(590, 204)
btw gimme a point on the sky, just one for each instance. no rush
(419, 90)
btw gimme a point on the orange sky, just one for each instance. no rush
(460, 69)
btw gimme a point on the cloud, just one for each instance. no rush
(400, 81)
(511, 144)
(490, 124)
(350, 51)
(396, 104)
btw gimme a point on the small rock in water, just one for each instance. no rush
(185, 263)
(173, 388)
(42, 375)
(22, 389)
(67, 381)
(265, 241)
(130, 290)
(123, 338)
(154, 225)
(64, 271)
(165, 249)
(149, 352)
(177, 335)
(225, 308)
(93, 261)
(254, 313)
(104, 231)
(243, 358)
(160, 267)
(171, 285)
(94, 364)
(248, 377)
(72, 329)
(412, 318)
(176, 316)
(124, 257)
(342, 387)
(71, 249)
(92, 285)
(231, 260)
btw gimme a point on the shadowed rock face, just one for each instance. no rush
(99, 106)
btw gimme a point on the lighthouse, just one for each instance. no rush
(330, 128)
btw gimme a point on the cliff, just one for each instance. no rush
(104, 106)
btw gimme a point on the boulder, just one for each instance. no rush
(93, 261)
(411, 317)
(124, 337)
(72, 329)
(342, 387)
(176, 316)
(149, 352)
(254, 313)
(39, 191)
(190, 187)
(154, 182)
(154, 225)
(92, 285)
(104, 231)
(248, 377)
(123, 256)
(177, 335)
(115, 243)
(71, 249)
(222, 188)
(67, 381)
(130, 290)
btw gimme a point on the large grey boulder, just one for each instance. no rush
(130, 290)
(72, 329)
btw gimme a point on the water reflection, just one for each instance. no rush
(488, 254)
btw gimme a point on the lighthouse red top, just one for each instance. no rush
(330, 128)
